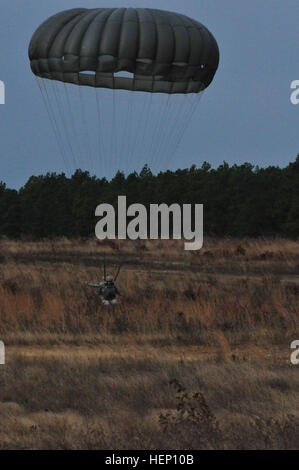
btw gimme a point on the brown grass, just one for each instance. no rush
(218, 322)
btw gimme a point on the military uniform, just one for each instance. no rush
(108, 292)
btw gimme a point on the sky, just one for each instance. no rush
(245, 115)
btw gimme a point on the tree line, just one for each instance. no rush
(239, 200)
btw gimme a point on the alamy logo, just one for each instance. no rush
(159, 216)
(295, 94)
(2, 92)
(295, 354)
(2, 353)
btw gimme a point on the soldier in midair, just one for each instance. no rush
(108, 290)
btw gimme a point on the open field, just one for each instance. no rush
(195, 355)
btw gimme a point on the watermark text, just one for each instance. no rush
(295, 354)
(143, 225)
(2, 353)
(2, 92)
(295, 94)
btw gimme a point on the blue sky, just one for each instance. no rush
(244, 116)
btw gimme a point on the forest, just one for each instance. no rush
(239, 200)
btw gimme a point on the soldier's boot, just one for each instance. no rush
(104, 302)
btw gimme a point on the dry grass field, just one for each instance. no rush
(196, 355)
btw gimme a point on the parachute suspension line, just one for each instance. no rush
(156, 126)
(119, 126)
(135, 97)
(173, 124)
(125, 127)
(60, 121)
(180, 120)
(168, 120)
(131, 124)
(53, 120)
(85, 127)
(134, 128)
(155, 133)
(113, 134)
(72, 121)
(177, 123)
(193, 108)
(144, 117)
(138, 121)
(128, 129)
(100, 134)
(161, 130)
(146, 122)
(147, 127)
(63, 121)
(139, 125)
(187, 122)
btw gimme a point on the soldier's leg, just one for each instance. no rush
(104, 302)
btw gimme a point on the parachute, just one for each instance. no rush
(121, 84)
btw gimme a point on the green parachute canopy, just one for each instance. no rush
(121, 85)
(165, 52)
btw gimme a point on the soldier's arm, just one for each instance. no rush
(93, 285)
